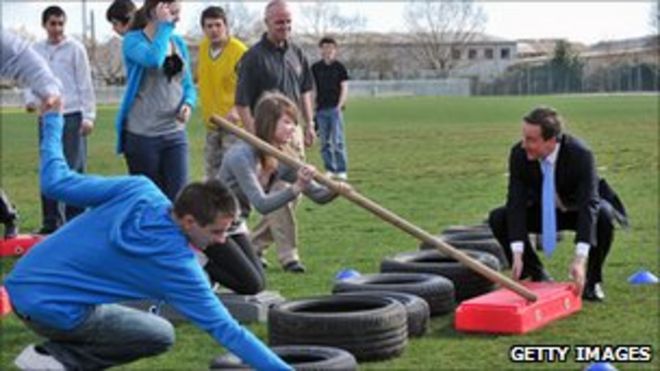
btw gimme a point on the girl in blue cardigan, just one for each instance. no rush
(158, 99)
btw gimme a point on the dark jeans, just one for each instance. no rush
(532, 266)
(236, 266)
(55, 213)
(331, 134)
(163, 159)
(111, 335)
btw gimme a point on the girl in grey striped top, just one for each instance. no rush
(250, 173)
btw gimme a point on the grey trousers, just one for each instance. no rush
(55, 213)
(280, 226)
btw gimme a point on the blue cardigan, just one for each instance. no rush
(139, 54)
(125, 246)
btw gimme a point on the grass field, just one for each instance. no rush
(436, 162)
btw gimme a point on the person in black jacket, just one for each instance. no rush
(550, 167)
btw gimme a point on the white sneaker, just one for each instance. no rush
(32, 359)
(330, 174)
(341, 176)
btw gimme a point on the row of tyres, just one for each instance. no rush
(371, 317)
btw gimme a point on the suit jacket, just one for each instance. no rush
(576, 184)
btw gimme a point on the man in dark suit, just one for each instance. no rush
(549, 167)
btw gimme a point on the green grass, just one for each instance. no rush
(436, 162)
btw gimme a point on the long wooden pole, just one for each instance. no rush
(379, 211)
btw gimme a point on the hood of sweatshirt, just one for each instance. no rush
(146, 227)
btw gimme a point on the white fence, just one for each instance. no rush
(108, 95)
(385, 88)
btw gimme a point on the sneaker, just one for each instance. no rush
(294, 267)
(264, 262)
(341, 176)
(594, 292)
(227, 361)
(329, 174)
(35, 357)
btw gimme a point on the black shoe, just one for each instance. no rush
(542, 276)
(46, 230)
(593, 292)
(294, 267)
(11, 230)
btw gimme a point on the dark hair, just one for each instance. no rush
(52, 11)
(327, 40)
(205, 201)
(142, 15)
(213, 12)
(120, 11)
(548, 119)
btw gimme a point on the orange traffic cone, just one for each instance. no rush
(5, 306)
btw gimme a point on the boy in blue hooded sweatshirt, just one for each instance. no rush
(132, 243)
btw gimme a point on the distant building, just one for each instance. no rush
(485, 57)
(608, 66)
(643, 50)
(533, 48)
(627, 51)
(370, 55)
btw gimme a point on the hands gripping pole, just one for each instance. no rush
(379, 211)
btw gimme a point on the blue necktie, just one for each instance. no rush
(549, 230)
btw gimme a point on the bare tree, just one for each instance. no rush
(322, 18)
(438, 28)
(24, 33)
(109, 65)
(654, 16)
(375, 57)
(247, 25)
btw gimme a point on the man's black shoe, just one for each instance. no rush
(542, 276)
(593, 292)
(294, 267)
(11, 230)
(46, 230)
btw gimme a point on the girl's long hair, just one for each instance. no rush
(270, 108)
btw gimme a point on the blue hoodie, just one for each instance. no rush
(126, 246)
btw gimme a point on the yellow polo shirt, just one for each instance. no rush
(217, 78)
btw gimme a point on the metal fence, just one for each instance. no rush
(108, 95)
(544, 79)
(386, 88)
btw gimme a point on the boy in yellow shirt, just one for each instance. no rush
(219, 53)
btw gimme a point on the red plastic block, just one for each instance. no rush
(18, 245)
(5, 306)
(506, 312)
